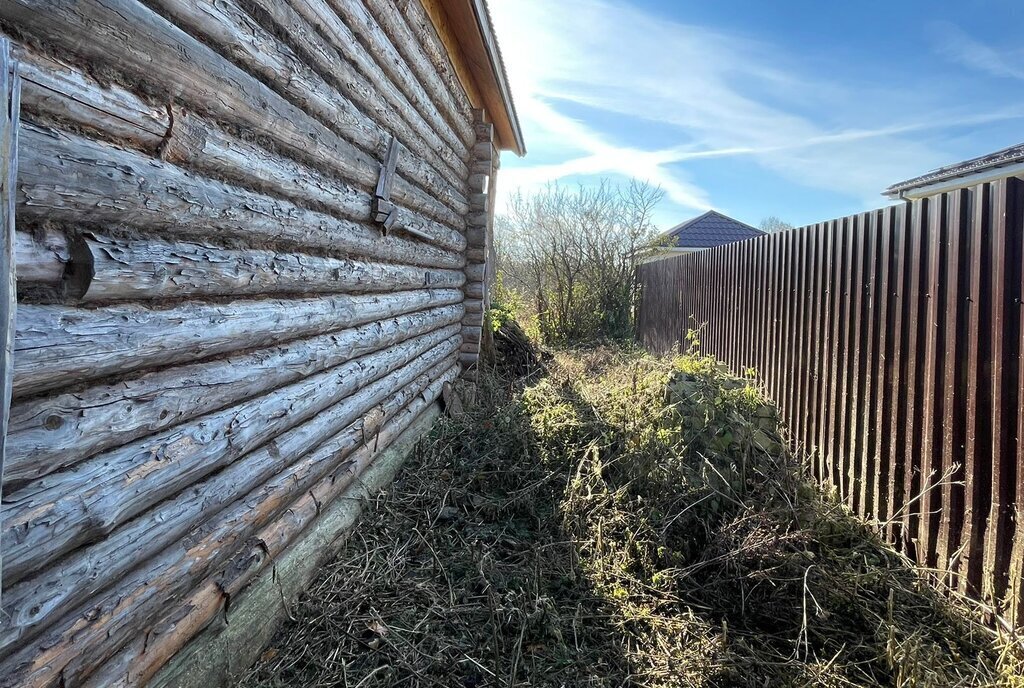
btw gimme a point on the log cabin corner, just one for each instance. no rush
(247, 244)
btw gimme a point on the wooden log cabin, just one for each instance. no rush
(247, 244)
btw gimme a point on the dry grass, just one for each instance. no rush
(595, 530)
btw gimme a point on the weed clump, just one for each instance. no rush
(723, 563)
(625, 521)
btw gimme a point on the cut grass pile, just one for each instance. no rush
(626, 521)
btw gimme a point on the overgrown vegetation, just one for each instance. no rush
(625, 521)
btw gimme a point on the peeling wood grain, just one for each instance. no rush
(69, 178)
(61, 345)
(42, 258)
(40, 601)
(61, 91)
(126, 269)
(52, 515)
(224, 24)
(356, 73)
(125, 35)
(58, 91)
(198, 144)
(386, 34)
(138, 663)
(155, 477)
(422, 28)
(10, 95)
(50, 433)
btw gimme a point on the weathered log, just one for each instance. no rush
(477, 226)
(51, 515)
(142, 596)
(124, 35)
(39, 601)
(397, 95)
(202, 607)
(41, 258)
(69, 178)
(473, 290)
(480, 167)
(118, 269)
(478, 182)
(135, 663)
(482, 125)
(57, 91)
(422, 27)
(10, 108)
(65, 93)
(387, 35)
(477, 220)
(476, 234)
(377, 95)
(50, 433)
(60, 345)
(225, 24)
(198, 144)
(129, 269)
(478, 202)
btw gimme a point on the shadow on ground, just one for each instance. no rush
(590, 531)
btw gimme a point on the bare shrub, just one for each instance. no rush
(569, 255)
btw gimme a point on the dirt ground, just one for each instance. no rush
(622, 521)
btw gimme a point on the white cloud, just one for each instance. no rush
(718, 95)
(598, 157)
(958, 46)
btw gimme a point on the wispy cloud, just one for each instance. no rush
(713, 94)
(598, 157)
(958, 46)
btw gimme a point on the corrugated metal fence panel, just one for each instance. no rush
(891, 342)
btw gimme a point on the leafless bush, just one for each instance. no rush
(570, 253)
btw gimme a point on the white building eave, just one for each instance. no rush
(979, 177)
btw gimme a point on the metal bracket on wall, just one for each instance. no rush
(383, 209)
(10, 106)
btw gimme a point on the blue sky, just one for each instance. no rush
(804, 110)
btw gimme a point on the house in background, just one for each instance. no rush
(1007, 162)
(704, 231)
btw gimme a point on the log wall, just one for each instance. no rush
(215, 333)
(479, 242)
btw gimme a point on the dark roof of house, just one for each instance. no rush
(1006, 156)
(709, 230)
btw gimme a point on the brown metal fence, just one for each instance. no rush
(891, 341)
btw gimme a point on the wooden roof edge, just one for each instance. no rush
(465, 28)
